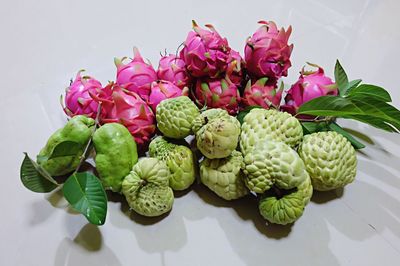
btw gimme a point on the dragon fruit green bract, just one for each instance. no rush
(136, 76)
(161, 90)
(267, 52)
(205, 52)
(77, 98)
(310, 85)
(261, 94)
(127, 108)
(172, 68)
(218, 93)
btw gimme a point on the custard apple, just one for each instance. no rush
(179, 160)
(219, 137)
(330, 160)
(224, 176)
(285, 209)
(146, 188)
(175, 116)
(207, 116)
(260, 124)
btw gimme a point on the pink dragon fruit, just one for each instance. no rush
(218, 93)
(205, 52)
(136, 76)
(235, 68)
(77, 98)
(267, 52)
(162, 90)
(262, 94)
(126, 107)
(310, 85)
(172, 68)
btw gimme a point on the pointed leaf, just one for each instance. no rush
(367, 90)
(35, 178)
(340, 78)
(66, 148)
(85, 193)
(351, 85)
(356, 144)
(312, 127)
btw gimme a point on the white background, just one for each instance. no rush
(43, 45)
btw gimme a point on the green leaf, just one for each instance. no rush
(367, 90)
(312, 127)
(356, 144)
(66, 148)
(86, 194)
(351, 85)
(244, 112)
(341, 78)
(365, 109)
(35, 178)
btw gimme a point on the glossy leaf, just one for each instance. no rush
(341, 78)
(86, 194)
(356, 144)
(367, 90)
(351, 85)
(312, 127)
(35, 178)
(66, 148)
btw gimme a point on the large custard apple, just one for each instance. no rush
(179, 160)
(219, 137)
(287, 207)
(146, 188)
(175, 117)
(260, 124)
(207, 116)
(330, 160)
(224, 176)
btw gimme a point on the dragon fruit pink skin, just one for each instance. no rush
(77, 98)
(205, 52)
(267, 52)
(161, 90)
(262, 94)
(172, 68)
(310, 85)
(127, 108)
(218, 93)
(136, 76)
(235, 67)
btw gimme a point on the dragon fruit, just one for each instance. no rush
(267, 52)
(161, 90)
(136, 76)
(235, 68)
(127, 108)
(77, 98)
(205, 52)
(218, 93)
(310, 85)
(173, 69)
(262, 94)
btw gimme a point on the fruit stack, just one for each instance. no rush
(254, 139)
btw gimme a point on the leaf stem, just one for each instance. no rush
(318, 119)
(84, 154)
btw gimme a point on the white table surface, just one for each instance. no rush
(44, 43)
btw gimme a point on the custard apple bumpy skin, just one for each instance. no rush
(224, 176)
(116, 153)
(79, 130)
(219, 137)
(260, 124)
(175, 117)
(146, 188)
(273, 163)
(330, 160)
(179, 160)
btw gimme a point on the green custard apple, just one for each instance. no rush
(146, 188)
(207, 116)
(260, 124)
(330, 160)
(224, 176)
(179, 160)
(175, 117)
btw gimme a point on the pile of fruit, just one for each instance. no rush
(251, 137)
